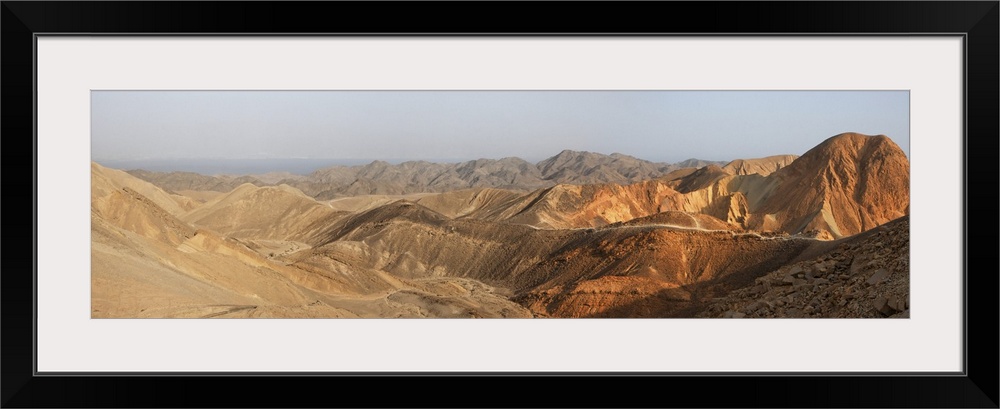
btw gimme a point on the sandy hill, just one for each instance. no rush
(698, 163)
(136, 206)
(557, 207)
(268, 212)
(461, 203)
(637, 269)
(361, 203)
(712, 240)
(583, 206)
(847, 184)
(145, 262)
(200, 196)
(105, 180)
(574, 206)
(760, 166)
(405, 259)
(685, 220)
(177, 181)
(699, 179)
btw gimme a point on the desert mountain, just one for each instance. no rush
(105, 181)
(699, 179)
(698, 163)
(148, 263)
(178, 181)
(269, 212)
(761, 166)
(577, 206)
(383, 178)
(720, 240)
(572, 167)
(128, 203)
(618, 270)
(848, 184)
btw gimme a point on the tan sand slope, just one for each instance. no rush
(269, 212)
(545, 267)
(201, 196)
(663, 247)
(147, 263)
(760, 166)
(103, 181)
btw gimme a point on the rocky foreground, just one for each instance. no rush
(867, 276)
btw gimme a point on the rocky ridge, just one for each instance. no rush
(383, 178)
(866, 276)
(708, 242)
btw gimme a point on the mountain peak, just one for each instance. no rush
(851, 181)
(847, 147)
(852, 139)
(569, 153)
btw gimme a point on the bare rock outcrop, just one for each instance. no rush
(866, 276)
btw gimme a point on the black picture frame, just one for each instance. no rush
(977, 22)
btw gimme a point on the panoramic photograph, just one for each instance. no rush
(500, 204)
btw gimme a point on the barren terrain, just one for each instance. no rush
(824, 234)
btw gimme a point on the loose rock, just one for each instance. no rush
(879, 276)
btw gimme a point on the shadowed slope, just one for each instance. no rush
(541, 268)
(575, 206)
(463, 202)
(867, 275)
(699, 179)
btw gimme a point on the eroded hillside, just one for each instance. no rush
(637, 239)
(383, 178)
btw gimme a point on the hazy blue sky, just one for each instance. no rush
(357, 126)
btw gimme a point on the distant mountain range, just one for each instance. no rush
(382, 178)
(821, 235)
